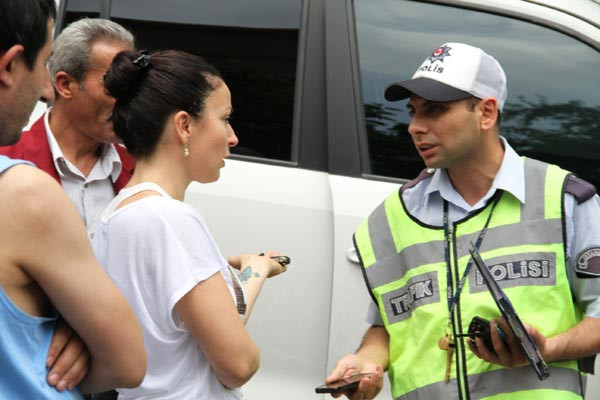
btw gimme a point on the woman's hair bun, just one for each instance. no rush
(126, 73)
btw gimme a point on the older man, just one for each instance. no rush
(74, 140)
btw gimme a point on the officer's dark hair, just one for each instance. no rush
(151, 87)
(25, 22)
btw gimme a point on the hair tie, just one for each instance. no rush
(143, 60)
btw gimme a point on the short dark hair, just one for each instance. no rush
(149, 88)
(25, 22)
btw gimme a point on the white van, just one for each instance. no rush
(320, 147)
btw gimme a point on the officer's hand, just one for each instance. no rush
(352, 364)
(507, 354)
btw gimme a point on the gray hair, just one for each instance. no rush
(72, 48)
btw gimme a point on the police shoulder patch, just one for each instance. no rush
(588, 263)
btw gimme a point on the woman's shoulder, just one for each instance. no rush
(176, 210)
(158, 213)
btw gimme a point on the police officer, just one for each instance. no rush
(530, 220)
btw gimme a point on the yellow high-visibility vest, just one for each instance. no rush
(405, 270)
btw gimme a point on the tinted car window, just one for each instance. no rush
(552, 112)
(77, 9)
(253, 44)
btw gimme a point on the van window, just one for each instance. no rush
(253, 44)
(77, 9)
(553, 105)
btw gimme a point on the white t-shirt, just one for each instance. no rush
(156, 250)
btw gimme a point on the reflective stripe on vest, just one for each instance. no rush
(508, 382)
(405, 269)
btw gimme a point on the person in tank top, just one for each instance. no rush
(48, 273)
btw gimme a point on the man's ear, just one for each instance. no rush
(182, 122)
(62, 84)
(8, 60)
(489, 113)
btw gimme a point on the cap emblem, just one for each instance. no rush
(440, 53)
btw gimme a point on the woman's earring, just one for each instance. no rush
(186, 151)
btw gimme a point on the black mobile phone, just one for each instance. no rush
(348, 384)
(283, 260)
(480, 327)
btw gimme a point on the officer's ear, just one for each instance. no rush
(8, 61)
(488, 109)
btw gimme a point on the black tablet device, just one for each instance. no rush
(510, 315)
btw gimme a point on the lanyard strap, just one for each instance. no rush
(453, 299)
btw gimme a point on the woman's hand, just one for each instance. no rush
(250, 264)
(254, 270)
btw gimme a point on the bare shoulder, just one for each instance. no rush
(25, 179)
(33, 204)
(28, 191)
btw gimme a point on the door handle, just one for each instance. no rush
(352, 256)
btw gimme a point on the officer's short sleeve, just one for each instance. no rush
(373, 315)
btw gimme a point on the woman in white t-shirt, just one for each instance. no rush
(172, 113)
